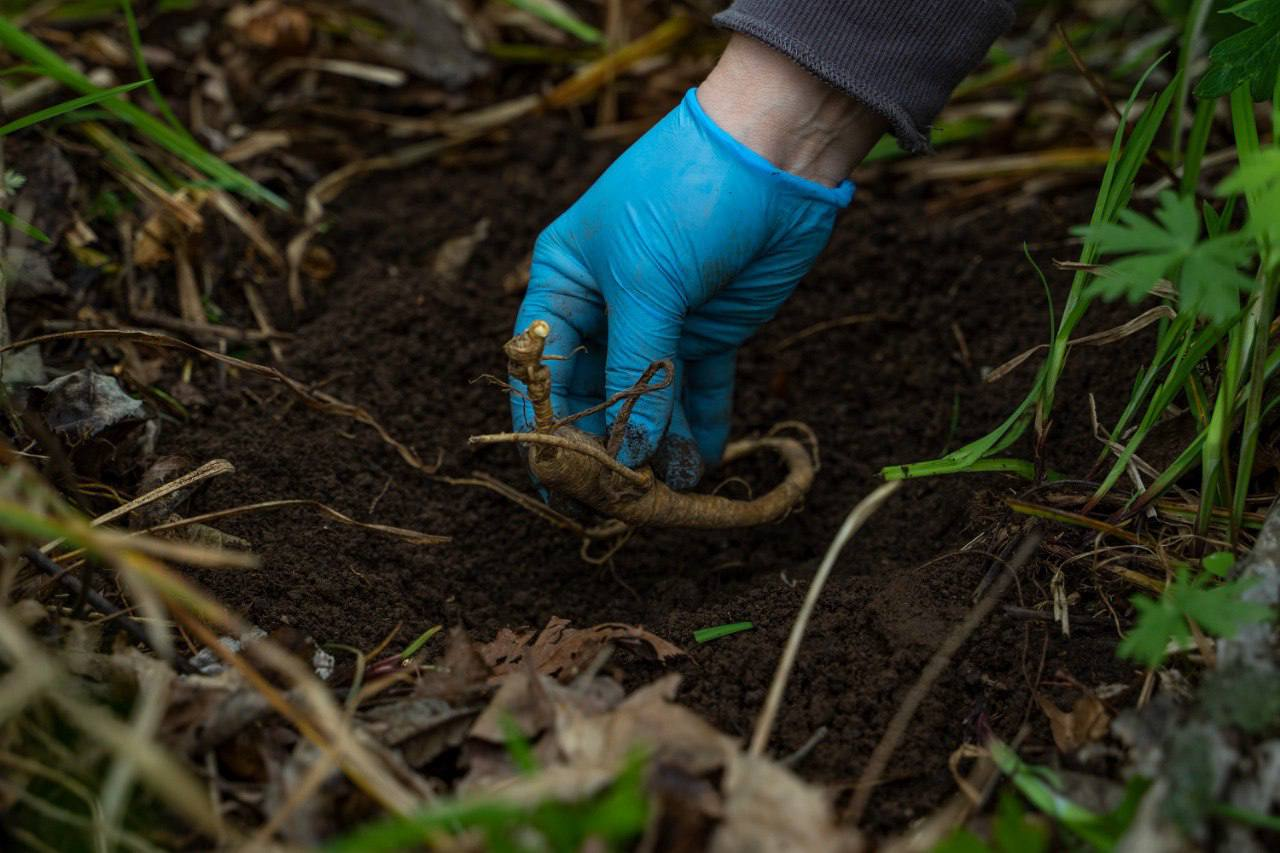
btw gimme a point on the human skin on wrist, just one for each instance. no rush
(793, 119)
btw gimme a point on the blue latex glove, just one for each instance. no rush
(681, 250)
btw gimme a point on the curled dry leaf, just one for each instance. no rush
(563, 652)
(1087, 721)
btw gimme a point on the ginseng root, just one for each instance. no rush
(575, 464)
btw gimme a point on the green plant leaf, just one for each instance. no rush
(1250, 56)
(1219, 610)
(51, 65)
(560, 16)
(1259, 180)
(1170, 246)
(24, 226)
(1219, 563)
(706, 635)
(1013, 832)
(67, 106)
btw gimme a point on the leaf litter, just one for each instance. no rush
(581, 725)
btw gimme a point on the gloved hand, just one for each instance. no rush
(681, 250)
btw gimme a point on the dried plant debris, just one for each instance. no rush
(563, 652)
(84, 404)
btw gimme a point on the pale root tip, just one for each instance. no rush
(540, 328)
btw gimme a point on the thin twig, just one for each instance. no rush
(411, 536)
(863, 511)
(941, 659)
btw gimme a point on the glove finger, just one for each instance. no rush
(573, 312)
(677, 460)
(708, 402)
(642, 330)
(586, 388)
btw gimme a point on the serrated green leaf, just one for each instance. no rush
(1159, 622)
(1259, 180)
(1219, 610)
(1251, 56)
(1169, 246)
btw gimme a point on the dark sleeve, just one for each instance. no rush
(901, 58)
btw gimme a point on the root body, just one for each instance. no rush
(583, 478)
(573, 463)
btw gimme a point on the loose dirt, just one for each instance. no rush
(958, 295)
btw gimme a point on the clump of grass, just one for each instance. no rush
(166, 133)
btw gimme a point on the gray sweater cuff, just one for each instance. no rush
(901, 58)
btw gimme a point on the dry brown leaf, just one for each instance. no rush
(420, 728)
(769, 810)
(271, 25)
(1087, 721)
(563, 652)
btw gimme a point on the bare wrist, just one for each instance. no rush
(796, 121)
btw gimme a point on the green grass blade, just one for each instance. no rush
(24, 226)
(1196, 17)
(1257, 820)
(1184, 365)
(561, 19)
(1117, 181)
(34, 51)
(66, 107)
(706, 635)
(144, 72)
(1174, 337)
(1197, 142)
(414, 647)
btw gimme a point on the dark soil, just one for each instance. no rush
(411, 349)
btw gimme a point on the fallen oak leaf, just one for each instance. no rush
(563, 652)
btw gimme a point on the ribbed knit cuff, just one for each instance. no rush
(901, 58)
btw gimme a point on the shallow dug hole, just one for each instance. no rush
(955, 295)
